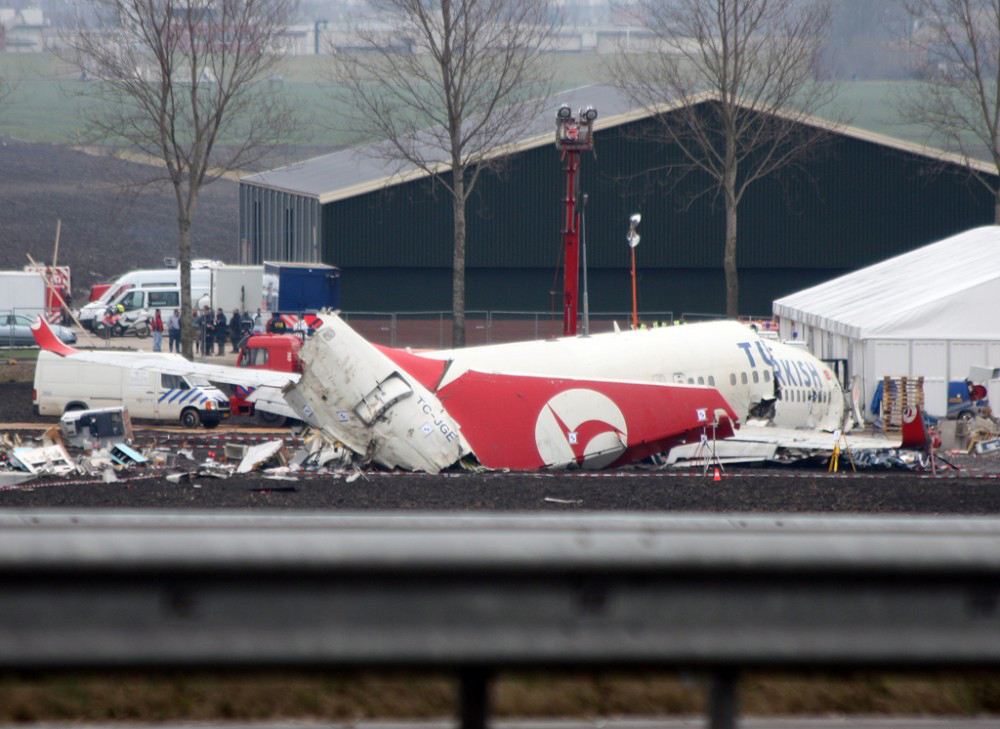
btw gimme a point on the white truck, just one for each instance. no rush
(235, 287)
(22, 293)
(65, 384)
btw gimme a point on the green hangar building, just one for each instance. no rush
(859, 198)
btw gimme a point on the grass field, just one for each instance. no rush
(49, 103)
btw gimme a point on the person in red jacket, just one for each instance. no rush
(157, 327)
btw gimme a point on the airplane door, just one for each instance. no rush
(679, 378)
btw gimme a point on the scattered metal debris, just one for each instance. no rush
(98, 428)
(258, 455)
(100, 445)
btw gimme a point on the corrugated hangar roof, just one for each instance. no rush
(945, 290)
(361, 169)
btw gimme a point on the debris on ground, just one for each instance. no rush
(101, 446)
(96, 428)
(257, 456)
(983, 447)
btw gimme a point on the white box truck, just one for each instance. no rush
(64, 384)
(22, 292)
(236, 287)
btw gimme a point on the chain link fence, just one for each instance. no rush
(433, 329)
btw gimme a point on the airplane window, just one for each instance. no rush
(743, 378)
(701, 380)
(690, 380)
(767, 376)
(711, 380)
(732, 378)
(756, 377)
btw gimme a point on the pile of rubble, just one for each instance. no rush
(100, 445)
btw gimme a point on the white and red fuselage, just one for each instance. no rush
(577, 402)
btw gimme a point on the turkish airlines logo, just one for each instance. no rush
(582, 427)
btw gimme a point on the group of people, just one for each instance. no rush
(213, 329)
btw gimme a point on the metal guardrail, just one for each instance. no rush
(479, 593)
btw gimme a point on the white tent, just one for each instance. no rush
(934, 311)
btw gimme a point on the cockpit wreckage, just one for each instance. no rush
(577, 402)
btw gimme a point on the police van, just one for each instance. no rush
(64, 384)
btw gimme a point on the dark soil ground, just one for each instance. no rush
(113, 219)
(760, 491)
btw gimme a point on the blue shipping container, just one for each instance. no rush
(293, 288)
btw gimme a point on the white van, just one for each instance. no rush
(155, 278)
(64, 384)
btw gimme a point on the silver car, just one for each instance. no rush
(15, 331)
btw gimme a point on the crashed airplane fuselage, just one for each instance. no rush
(575, 402)
(587, 402)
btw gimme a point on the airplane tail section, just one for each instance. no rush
(361, 397)
(47, 339)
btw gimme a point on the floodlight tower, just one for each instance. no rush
(573, 135)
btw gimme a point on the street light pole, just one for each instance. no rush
(633, 243)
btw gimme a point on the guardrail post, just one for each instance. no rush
(722, 708)
(473, 698)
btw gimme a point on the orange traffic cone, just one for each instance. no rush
(718, 476)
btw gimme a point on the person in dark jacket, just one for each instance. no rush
(276, 325)
(207, 331)
(221, 331)
(236, 330)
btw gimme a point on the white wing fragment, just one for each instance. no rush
(175, 364)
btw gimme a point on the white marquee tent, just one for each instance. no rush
(934, 311)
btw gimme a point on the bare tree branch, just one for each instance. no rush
(732, 85)
(467, 83)
(958, 46)
(183, 81)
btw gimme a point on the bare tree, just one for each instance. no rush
(182, 81)
(732, 85)
(958, 46)
(466, 83)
